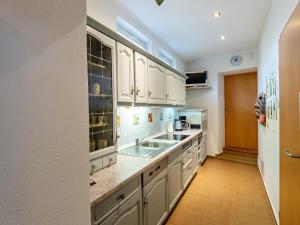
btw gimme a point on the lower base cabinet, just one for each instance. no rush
(156, 200)
(174, 181)
(130, 213)
(195, 159)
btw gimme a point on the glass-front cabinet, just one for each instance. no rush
(101, 86)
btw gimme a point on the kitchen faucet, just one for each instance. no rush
(138, 141)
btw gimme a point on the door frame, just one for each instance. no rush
(221, 95)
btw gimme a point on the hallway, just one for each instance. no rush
(224, 193)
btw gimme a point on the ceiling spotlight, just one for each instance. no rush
(222, 37)
(217, 14)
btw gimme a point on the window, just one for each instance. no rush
(164, 56)
(133, 35)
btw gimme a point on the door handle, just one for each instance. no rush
(227, 109)
(295, 156)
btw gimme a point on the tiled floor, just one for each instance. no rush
(224, 193)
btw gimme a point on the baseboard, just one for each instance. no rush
(274, 214)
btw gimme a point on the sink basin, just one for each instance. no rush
(152, 144)
(147, 149)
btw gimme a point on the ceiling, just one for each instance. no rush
(190, 29)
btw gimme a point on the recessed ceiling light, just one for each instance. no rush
(217, 14)
(222, 37)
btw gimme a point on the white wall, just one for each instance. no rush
(44, 167)
(106, 12)
(279, 14)
(213, 99)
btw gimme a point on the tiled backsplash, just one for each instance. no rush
(135, 122)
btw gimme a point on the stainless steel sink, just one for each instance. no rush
(151, 144)
(147, 149)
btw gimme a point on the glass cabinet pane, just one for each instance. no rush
(100, 89)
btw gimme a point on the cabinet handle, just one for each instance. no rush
(137, 91)
(121, 197)
(149, 93)
(157, 168)
(145, 201)
(167, 96)
(132, 90)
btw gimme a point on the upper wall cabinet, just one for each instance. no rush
(156, 83)
(181, 90)
(125, 73)
(141, 76)
(175, 87)
(172, 91)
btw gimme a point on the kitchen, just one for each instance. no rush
(124, 113)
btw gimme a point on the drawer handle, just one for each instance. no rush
(150, 174)
(157, 168)
(121, 197)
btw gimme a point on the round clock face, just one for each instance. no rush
(236, 60)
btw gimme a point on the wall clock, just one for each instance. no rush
(236, 60)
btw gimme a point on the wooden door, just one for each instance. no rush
(125, 73)
(156, 83)
(240, 121)
(290, 122)
(141, 76)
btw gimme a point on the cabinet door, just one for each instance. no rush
(195, 159)
(174, 182)
(125, 73)
(141, 76)
(172, 88)
(181, 91)
(130, 213)
(155, 200)
(156, 83)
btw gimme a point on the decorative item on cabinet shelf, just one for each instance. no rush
(260, 108)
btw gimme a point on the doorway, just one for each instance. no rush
(241, 129)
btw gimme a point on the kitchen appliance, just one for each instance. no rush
(198, 120)
(185, 124)
(197, 79)
(178, 125)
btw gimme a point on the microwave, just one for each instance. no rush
(198, 79)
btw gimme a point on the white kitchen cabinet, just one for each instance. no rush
(175, 88)
(129, 213)
(195, 159)
(125, 73)
(156, 200)
(175, 181)
(141, 76)
(156, 83)
(171, 88)
(181, 90)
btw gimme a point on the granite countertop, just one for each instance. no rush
(126, 169)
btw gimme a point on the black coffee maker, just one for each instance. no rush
(184, 124)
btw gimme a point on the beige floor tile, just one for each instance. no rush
(224, 193)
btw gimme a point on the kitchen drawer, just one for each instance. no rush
(152, 172)
(187, 175)
(104, 208)
(187, 156)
